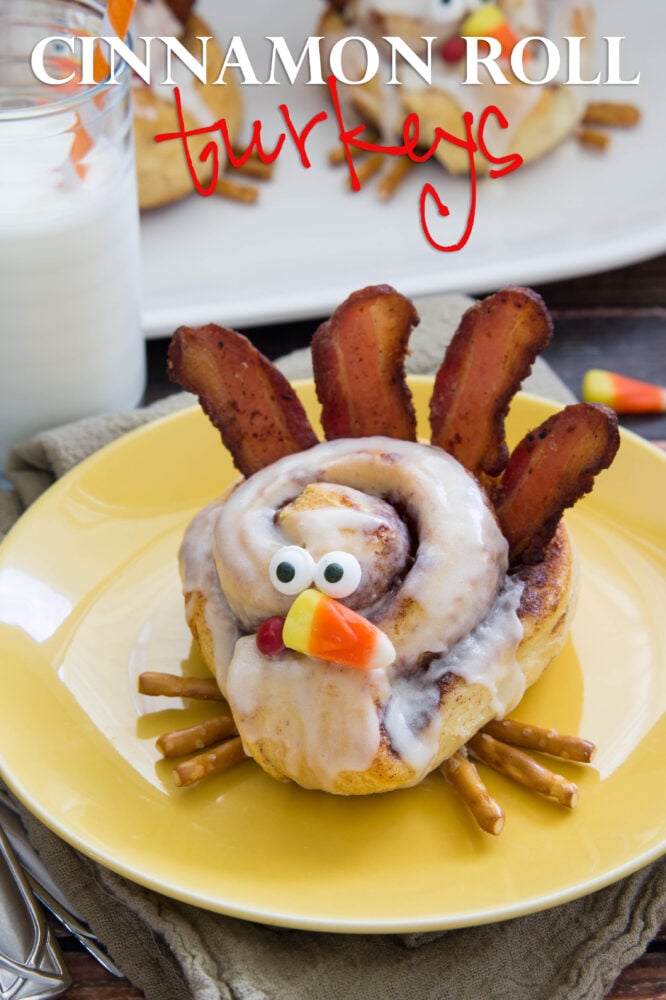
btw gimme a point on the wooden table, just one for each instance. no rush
(615, 320)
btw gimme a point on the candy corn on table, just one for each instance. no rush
(612, 321)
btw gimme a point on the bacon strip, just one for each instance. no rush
(491, 353)
(250, 402)
(551, 468)
(358, 357)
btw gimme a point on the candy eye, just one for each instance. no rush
(338, 574)
(450, 9)
(292, 569)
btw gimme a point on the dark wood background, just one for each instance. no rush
(615, 320)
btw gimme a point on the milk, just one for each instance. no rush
(70, 343)
(70, 337)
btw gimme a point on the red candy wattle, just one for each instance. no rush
(269, 636)
(453, 50)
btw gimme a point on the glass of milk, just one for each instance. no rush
(70, 335)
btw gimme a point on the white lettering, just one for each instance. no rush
(88, 43)
(37, 60)
(176, 48)
(552, 57)
(237, 56)
(371, 59)
(613, 43)
(400, 47)
(574, 75)
(474, 59)
(311, 51)
(354, 60)
(116, 47)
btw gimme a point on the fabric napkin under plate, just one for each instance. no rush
(171, 950)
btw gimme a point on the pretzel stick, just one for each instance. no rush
(203, 734)
(611, 113)
(368, 168)
(520, 767)
(593, 138)
(338, 155)
(393, 178)
(463, 775)
(252, 167)
(235, 191)
(220, 758)
(537, 738)
(173, 686)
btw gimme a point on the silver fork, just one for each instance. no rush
(31, 966)
(45, 889)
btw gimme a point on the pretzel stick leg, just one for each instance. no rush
(173, 686)
(393, 178)
(252, 167)
(521, 768)
(463, 775)
(518, 734)
(370, 165)
(226, 188)
(197, 737)
(612, 113)
(593, 138)
(220, 758)
(338, 155)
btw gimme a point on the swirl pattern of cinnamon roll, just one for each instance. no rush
(433, 564)
(367, 604)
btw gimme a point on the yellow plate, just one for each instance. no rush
(89, 597)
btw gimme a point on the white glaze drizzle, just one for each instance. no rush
(326, 718)
(199, 576)
(461, 550)
(322, 717)
(155, 19)
(487, 656)
(553, 19)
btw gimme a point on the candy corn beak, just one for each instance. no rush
(488, 21)
(323, 628)
(625, 395)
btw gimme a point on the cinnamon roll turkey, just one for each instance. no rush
(368, 603)
(163, 174)
(538, 118)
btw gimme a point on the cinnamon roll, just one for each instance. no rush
(464, 638)
(368, 603)
(539, 116)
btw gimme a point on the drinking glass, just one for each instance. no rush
(71, 343)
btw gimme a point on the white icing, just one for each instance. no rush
(323, 718)
(199, 575)
(435, 17)
(154, 19)
(461, 550)
(190, 94)
(487, 656)
(543, 18)
(368, 529)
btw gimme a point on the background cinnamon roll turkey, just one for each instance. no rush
(162, 170)
(466, 578)
(539, 117)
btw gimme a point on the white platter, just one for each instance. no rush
(309, 241)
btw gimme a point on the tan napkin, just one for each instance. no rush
(173, 951)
